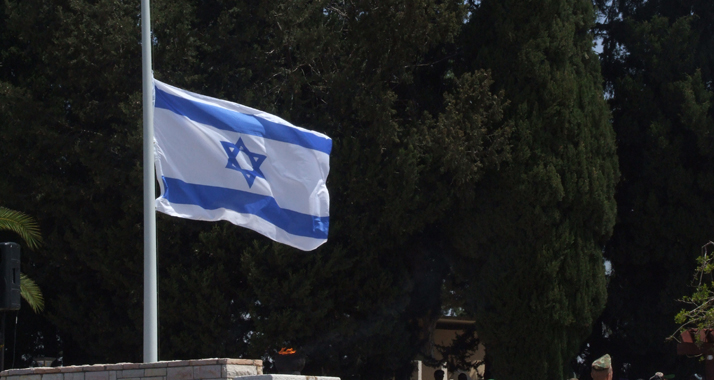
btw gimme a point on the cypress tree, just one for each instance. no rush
(373, 75)
(531, 243)
(657, 61)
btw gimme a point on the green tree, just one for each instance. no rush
(698, 312)
(373, 76)
(657, 62)
(531, 242)
(410, 138)
(71, 108)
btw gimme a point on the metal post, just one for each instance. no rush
(150, 287)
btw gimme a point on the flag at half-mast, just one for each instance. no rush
(218, 160)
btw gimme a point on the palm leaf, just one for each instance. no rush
(22, 224)
(31, 293)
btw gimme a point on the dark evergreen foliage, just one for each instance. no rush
(410, 139)
(532, 242)
(471, 144)
(657, 62)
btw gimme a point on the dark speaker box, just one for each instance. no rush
(10, 272)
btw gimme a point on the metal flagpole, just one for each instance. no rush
(150, 293)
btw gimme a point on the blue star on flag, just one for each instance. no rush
(232, 150)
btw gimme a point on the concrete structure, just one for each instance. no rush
(203, 369)
(446, 330)
(286, 377)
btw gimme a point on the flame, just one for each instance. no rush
(286, 351)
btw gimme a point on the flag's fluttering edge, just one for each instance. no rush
(217, 160)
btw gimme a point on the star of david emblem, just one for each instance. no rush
(255, 160)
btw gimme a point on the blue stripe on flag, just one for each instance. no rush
(212, 197)
(229, 120)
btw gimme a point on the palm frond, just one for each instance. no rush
(22, 224)
(31, 293)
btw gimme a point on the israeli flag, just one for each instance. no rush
(217, 160)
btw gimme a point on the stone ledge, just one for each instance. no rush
(94, 368)
(69, 369)
(18, 372)
(197, 369)
(285, 377)
(154, 365)
(51, 370)
(240, 361)
(178, 363)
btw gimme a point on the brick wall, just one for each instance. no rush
(204, 369)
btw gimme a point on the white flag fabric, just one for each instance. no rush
(218, 160)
